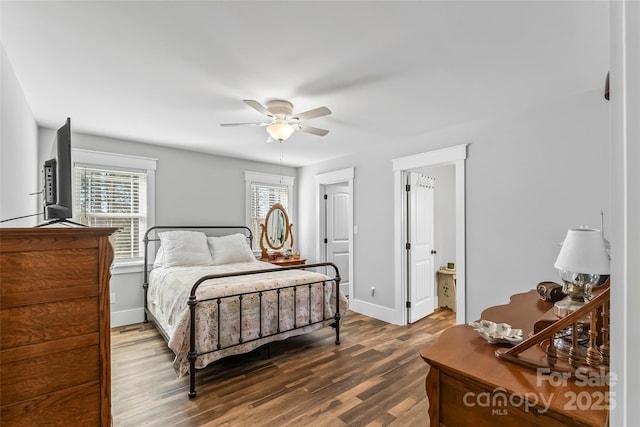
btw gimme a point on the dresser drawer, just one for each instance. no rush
(23, 379)
(24, 272)
(77, 406)
(38, 323)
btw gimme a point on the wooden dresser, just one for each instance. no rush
(55, 366)
(468, 385)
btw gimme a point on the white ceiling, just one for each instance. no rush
(169, 72)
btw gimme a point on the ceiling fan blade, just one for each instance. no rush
(258, 107)
(245, 124)
(311, 114)
(312, 130)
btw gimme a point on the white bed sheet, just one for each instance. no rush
(169, 290)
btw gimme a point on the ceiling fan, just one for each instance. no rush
(283, 122)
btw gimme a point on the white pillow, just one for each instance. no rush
(157, 262)
(231, 248)
(184, 248)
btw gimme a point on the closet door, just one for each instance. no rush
(420, 255)
(337, 231)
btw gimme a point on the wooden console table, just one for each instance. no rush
(468, 385)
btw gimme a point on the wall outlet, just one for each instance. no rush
(373, 291)
(113, 297)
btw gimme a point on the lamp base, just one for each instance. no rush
(566, 306)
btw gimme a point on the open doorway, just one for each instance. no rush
(454, 156)
(334, 193)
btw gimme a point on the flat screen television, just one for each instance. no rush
(56, 174)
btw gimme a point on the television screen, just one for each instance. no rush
(57, 177)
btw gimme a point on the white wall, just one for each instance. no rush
(531, 175)
(191, 187)
(19, 171)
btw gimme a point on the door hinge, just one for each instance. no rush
(326, 240)
(407, 246)
(408, 304)
(407, 187)
(325, 197)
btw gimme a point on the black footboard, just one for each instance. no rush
(193, 302)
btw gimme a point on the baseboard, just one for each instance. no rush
(379, 312)
(127, 317)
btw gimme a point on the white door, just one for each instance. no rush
(337, 230)
(421, 299)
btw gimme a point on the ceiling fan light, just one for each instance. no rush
(280, 131)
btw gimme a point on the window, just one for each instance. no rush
(263, 191)
(113, 198)
(110, 191)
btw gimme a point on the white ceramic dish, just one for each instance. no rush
(497, 333)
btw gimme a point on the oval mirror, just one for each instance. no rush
(276, 228)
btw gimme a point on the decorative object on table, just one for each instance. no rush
(550, 291)
(582, 259)
(497, 333)
(276, 239)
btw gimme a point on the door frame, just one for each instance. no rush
(456, 156)
(334, 177)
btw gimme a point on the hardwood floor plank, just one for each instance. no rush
(374, 378)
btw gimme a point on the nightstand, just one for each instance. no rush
(282, 261)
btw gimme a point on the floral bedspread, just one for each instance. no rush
(169, 290)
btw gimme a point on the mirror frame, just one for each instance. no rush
(288, 234)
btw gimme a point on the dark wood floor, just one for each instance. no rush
(374, 378)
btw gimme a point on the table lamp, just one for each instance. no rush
(582, 259)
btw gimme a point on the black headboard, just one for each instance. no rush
(151, 235)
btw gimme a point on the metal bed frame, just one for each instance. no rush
(193, 300)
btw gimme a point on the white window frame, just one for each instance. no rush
(268, 178)
(123, 162)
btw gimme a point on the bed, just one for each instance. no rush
(210, 297)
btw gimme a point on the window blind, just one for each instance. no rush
(262, 197)
(105, 197)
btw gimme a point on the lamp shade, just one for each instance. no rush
(280, 130)
(583, 251)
